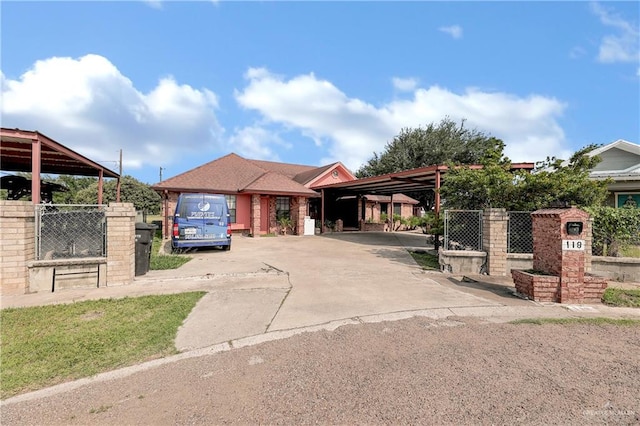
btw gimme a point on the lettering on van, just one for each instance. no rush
(209, 215)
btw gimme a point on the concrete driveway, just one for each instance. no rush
(271, 287)
(281, 283)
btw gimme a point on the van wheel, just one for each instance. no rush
(226, 248)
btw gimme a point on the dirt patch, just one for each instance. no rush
(416, 371)
(92, 315)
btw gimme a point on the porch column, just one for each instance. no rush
(254, 220)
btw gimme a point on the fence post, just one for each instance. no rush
(121, 230)
(494, 240)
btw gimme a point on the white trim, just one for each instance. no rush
(620, 144)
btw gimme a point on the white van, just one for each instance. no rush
(201, 220)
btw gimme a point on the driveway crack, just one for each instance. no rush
(281, 302)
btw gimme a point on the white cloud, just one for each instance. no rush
(156, 4)
(255, 142)
(404, 84)
(355, 129)
(89, 106)
(454, 31)
(624, 45)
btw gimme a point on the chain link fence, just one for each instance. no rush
(463, 230)
(70, 231)
(519, 232)
(603, 244)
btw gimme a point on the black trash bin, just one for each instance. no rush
(144, 243)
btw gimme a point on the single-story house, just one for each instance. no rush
(621, 163)
(259, 193)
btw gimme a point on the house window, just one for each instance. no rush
(397, 209)
(231, 203)
(283, 208)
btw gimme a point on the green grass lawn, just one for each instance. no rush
(630, 251)
(621, 297)
(426, 260)
(46, 345)
(164, 261)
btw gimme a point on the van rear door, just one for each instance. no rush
(201, 220)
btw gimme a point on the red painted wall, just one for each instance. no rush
(243, 212)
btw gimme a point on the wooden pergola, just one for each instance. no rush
(31, 151)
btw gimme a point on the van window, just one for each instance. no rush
(201, 207)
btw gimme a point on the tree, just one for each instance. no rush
(614, 229)
(553, 181)
(131, 191)
(74, 184)
(446, 142)
(426, 146)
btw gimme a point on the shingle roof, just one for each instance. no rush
(286, 169)
(233, 173)
(309, 175)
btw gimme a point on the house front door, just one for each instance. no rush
(264, 215)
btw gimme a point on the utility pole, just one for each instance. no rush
(161, 169)
(119, 177)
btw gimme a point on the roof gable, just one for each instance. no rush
(618, 157)
(272, 182)
(234, 174)
(226, 174)
(332, 173)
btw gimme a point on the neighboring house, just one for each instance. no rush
(377, 204)
(259, 193)
(621, 163)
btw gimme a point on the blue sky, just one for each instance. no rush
(178, 84)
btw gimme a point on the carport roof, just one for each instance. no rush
(16, 152)
(409, 180)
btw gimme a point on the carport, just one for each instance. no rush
(31, 151)
(419, 179)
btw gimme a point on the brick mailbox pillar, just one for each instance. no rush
(561, 238)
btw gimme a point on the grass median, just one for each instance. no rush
(426, 260)
(46, 345)
(164, 261)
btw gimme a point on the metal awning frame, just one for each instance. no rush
(32, 151)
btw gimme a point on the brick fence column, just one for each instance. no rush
(494, 240)
(17, 234)
(121, 253)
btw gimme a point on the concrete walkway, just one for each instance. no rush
(274, 285)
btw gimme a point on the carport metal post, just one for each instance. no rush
(391, 214)
(322, 211)
(35, 170)
(436, 241)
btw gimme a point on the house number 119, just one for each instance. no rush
(577, 245)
